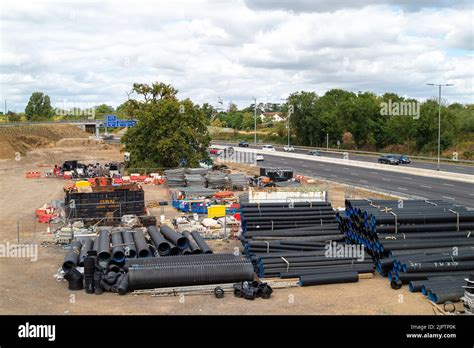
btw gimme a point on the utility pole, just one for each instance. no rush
(439, 116)
(327, 141)
(255, 121)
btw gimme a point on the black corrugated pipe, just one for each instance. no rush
(129, 243)
(118, 253)
(331, 278)
(162, 245)
(201, 243)
(72, 257)
(103, 252)
(141, 244)
(189, 274)
(181, 259)
(176, 238)
(192, 244)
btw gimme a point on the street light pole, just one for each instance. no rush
(255, 121)
(439, 117)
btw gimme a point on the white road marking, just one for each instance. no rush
(448, 185)
(327, 169)
(402, 188)
(354, 174)
(333, 175)
(364, 181)
(385, 179)
(374, 172)
(346, 168)
(426, 186)
(406, 178)
(451, 198)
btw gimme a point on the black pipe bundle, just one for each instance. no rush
(182, 259)
(176, 271)
(87, 245)
(176, 238)
(71, 259)
(193, 247)
(141, 244)
(129, 243)
(118, 253)
(103, 251)
(332, 278)
(162, 245)
(414, 240)
(201, 243)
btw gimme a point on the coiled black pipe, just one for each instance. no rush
(201, 243)
(183, 259)
(192, 244)
(103, 252)
(189, 274)
(176, 238)
(86, 246)
(332, 278)
(129, 243)
(118, 253)
(141, 244)
(162, 245)
(72, 257)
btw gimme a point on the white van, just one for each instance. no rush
(268, 148)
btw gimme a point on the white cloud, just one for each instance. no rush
(94, 51)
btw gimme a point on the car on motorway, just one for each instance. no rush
(402, 159)
(259, 157)
(288, 148)
(313, 153)
(268, 148)
(243, 144)
(389, 159)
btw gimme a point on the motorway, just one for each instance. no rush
(431, 188)
(454, 168)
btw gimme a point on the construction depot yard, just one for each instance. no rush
(30, 286)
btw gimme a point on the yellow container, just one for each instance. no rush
(83, 184)
(216, 211)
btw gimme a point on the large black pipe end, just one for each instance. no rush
(197, 251)
(144, 253)
(68, 265)
(175, 251)
(396, 284)
(104, 256)
(119, 256)
(132, 254)
(164, 249)
(208, 252)
(182, 243)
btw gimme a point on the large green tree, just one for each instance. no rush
(39, 107)
(102, 110)
(170, 132)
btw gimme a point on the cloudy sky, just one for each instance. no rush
(91, 52)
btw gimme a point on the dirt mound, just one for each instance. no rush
(26, 138)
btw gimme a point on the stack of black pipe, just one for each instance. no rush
(290, 240)
(415, 240)
(199, 269)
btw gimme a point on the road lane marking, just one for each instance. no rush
(451, 198)
(426, 186)
(406, 177)
(402, 188)
(364, 181)
(448, 184)
(374, 172)
(385, 179)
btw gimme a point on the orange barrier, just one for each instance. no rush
(33, 175)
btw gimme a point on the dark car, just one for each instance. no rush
(313, 153)
(402, 159)
(243, 144)
(389, 159)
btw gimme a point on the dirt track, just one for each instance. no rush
(30, 287)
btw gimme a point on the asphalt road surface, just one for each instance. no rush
(454, 168)
(430, 188)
